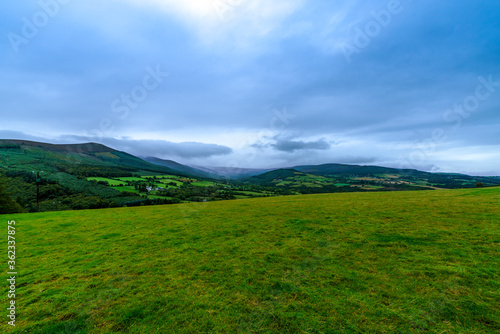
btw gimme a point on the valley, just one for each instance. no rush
(92, 176)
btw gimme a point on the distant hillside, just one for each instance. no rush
(439, 180)
(340, 178)
(274, 176)
(234, 173)
(182, 168)
(341, 169)
(358, 170)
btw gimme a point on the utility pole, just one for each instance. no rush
(38, 192)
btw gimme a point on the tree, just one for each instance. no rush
(7, 204)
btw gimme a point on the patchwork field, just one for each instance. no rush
(111, 182)
(392, 262)
(157, 183)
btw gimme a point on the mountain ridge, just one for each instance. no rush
(181, 168)
(89, 147)
(102, 153)
(91, 175)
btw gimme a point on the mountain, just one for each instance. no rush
(217, 173)
(183, 168)
(336, 177)
(233, 173)
(274, 176)
(359, 170)
(440, 180)
(37, 156)
(85, 148)
(341, 169)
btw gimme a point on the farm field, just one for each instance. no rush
(157, 179)
(125, 179)
(154, 185)
(392, 262)
(112, 182)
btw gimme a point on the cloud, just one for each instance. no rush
(294, 145)
(229, 73)
(162, 148)
(8, 134)
(216, 21)
(143, 148)
(356, 160)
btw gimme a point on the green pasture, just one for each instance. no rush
(111, 182)
(387, 262)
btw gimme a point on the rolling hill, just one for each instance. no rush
(233, 173)
(365, 178)
(367, 171)
(273, 176)
(342, 169)
(187, 170)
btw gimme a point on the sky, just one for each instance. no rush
(259, 84)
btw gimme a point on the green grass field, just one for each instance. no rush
(253, 193)
(110, 181)
(306, 180)
(165, 181)
(204, 184)
(127, 188)
(392, 262)
(130, 179)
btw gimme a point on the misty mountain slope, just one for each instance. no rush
(182, 168)
(342, 169)
(235, 173)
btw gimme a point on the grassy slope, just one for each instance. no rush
(47, 157)
(400, 262)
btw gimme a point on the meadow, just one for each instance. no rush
(160, 182)
(387, 262)
(111, 182)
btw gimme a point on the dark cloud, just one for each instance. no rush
(143, 148)
(294, 145)
(353, 160)
(163, 148)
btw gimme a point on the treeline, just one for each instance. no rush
(58, 191)
(269, 189)
(10, 146)
(84, 171)
(188, 192)
(62, 191)
(455, 181)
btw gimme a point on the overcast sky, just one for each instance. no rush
(259, 83)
